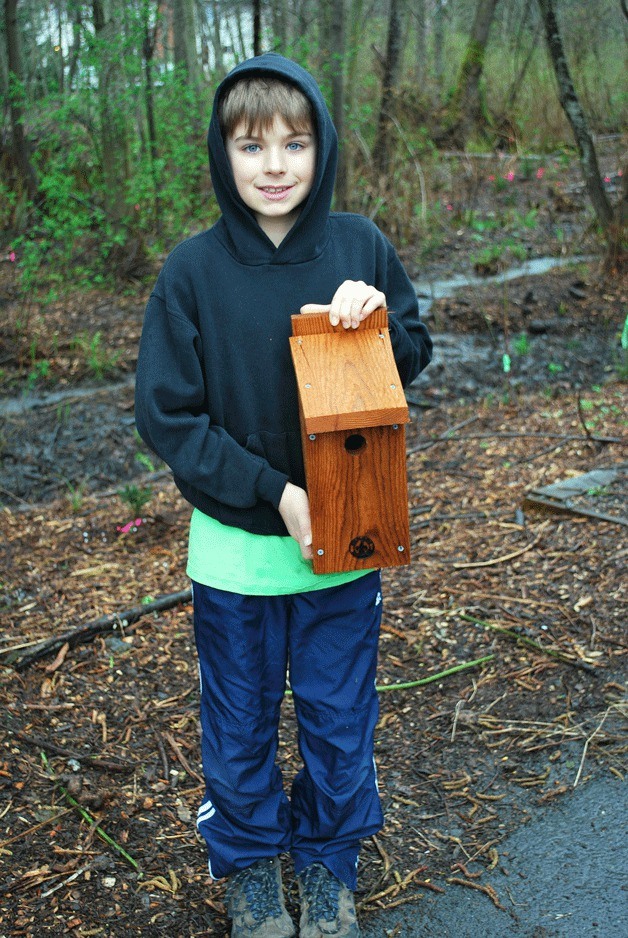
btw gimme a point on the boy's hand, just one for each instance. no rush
(352, 303)
(294, 508)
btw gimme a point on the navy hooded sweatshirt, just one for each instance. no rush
(216, 394)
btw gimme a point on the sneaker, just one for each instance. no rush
(327, 906)
(255, 902)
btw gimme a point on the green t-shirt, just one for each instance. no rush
(252, 564)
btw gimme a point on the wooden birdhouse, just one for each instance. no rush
(353, 411)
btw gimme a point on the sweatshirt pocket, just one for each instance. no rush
(282, 451)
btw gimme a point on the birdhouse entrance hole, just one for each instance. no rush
(354, 443)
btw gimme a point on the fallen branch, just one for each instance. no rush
(549, 504)
(444, 437)
(435, 677)
(506, 557)
(25, 835)
(566, 438)
(85, 757)
(586, 746)
(428, 680)
(487, 890)
(524, 640)
(87, 817)
(85, 633)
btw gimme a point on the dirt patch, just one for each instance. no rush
(537, 599)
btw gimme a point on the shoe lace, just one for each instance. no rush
(323, 891)
(259, 885)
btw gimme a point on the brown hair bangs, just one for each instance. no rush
(257, 101)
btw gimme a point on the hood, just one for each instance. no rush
(245, 239)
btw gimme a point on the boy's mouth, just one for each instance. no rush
(275, 192)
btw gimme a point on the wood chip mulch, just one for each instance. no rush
(511, 619)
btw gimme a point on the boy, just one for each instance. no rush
(216, 399)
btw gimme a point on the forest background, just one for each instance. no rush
(106, 104)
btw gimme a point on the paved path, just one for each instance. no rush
(562, 875)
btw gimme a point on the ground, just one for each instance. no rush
(506, 633)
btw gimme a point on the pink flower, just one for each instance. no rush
(129, 526)
(509, 176)
(136, 207)
(12, 257)
(620, 172)
(607, 178)
(540, 172)
(449, 207)
(491, 178)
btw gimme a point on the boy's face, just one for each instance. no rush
(273, 172)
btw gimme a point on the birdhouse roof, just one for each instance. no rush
(347, 378)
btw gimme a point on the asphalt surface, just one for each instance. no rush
(562, 875)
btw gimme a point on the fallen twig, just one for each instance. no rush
(586, 745)
(85, 633)
(487, 890)
(34, 828)
(64, 882)
(435, 677)
(84, 757)
(444, 437)
(503, 435)
(183, 762)
(524, 640)
(87, 816)
(506, 557)
(408, 685)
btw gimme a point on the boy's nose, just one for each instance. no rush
(275, 161)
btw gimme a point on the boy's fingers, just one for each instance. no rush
(306, 547)
(346, 311)
(315, 308)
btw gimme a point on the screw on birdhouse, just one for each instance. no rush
(393, 387)
(401, 548)
(312, 436)
(308, 385)
(320, 551)
(395, 426)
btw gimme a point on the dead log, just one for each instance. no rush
(103, 625)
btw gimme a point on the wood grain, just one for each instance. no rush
(358, 494)
(315, 323)
(348, 379)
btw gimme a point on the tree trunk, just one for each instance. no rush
(420, 57)
(243, 54)
(257, 27)
(439, 42)
(219, 64)
(520, 72)
(185, 54)
(280, 25)
(394, 47)
(59, 47)
(113, 130)
(74, 50)
(20, 143)
(148, 50)
(576, 117)
(467, 112)
(333, 50)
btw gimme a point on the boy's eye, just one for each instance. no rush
(295, 145)
(251, 148)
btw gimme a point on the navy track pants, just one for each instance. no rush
(329, 638)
